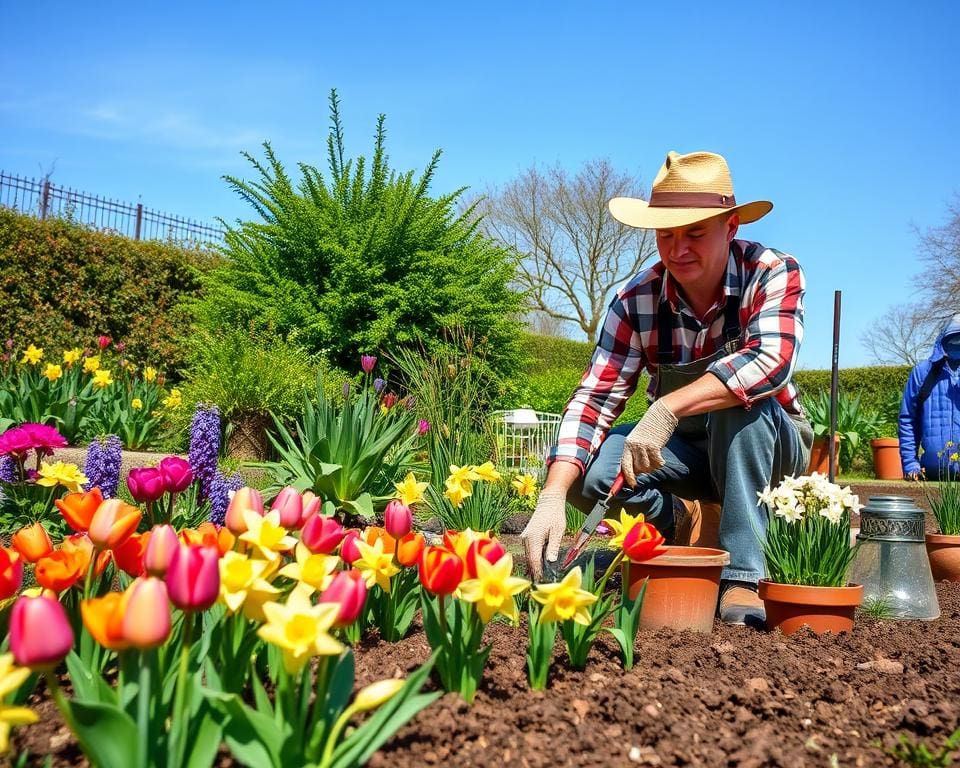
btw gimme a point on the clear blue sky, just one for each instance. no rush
(844, 114)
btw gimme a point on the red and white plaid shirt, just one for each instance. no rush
(769, 286)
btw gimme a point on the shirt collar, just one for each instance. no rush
(731, 284)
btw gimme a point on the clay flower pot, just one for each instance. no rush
(824, 609)
(820, 454)
(886, 458)
(683, 587)
(944, 554)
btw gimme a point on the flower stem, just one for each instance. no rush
(182, 698)
(143, 711)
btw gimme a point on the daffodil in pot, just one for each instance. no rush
(943, 547)
(807, 551)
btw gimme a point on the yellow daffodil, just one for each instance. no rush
(493, 589)
(377, 694)
(409, 491)
(91, 364)
(266, 534)
(131, 368)
(375, 565)
(524, 485)
(173, 400)
(621, 527)
(314, 572)
(11, 678)
(32, 355)
(243, 583)
(53, 371)
(487, 473)
(301, 630)
(58, 473)
(457, 492)
(136, 403)
(71, 356)
(564, 600)
(460, 541)
(462, 475)
(102, 378)
(149, 373)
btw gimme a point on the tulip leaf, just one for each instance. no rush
(107, 735)
(254, 735)
(362, 505)
(87, 685)
(204, 737)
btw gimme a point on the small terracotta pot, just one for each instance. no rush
(886, 458)
(682, 590)
(944, 554)
(824, 609)
(820, 455)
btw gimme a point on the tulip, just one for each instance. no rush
(242, 500)
(349, 552)
(103, 342)
(61, 569)
(311, 505)
(322, 534)
(146, 484)
(80, 546)
(397, 519)
(409, 549)
(490, 550)
(130, 554)
(348, 590)
(11, 573)
(642, 542)
(193, 578)
(159, 552)
(289, 505)
(177, 474)
(112, 524)
(103, 619)
(208, 535)
(372, 533)
(40, 633)
(32, 542)
(146, 618)
(441, 571)
(377, 694)
(78, 508)
(389, 400)
(368, 362)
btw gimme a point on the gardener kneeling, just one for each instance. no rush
(717, 324)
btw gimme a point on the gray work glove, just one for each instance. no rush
(643, 446)
(546, 527)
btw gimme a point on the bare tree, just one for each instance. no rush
(572, 253)
(901, 336)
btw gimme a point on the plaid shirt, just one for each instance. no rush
(769, 286)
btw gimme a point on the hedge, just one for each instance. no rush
(63, 285)
(879, 387)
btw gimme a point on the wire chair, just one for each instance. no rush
(523, 439)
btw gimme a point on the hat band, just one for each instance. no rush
(691, 200)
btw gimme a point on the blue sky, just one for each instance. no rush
(844, 114)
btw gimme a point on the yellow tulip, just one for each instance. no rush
(314, 572)
(32, 355)
(149, 373)
(67, 475)
(71, 356)
(374, 564)
(266, 534)
(102, 378)
(53, 371)
(376, 694)
(91, 364)
(565, 600)
(301, 630)
(493, 589)
(136, 403)
(409, 491)
(11, 678)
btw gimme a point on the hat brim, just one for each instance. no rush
(639, 213)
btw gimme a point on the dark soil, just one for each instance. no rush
(737, 697)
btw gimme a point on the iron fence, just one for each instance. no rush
(43, 199)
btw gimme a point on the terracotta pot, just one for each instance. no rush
(886, 458)
(820, 455)
(824, 609)
(944, 554)
(682, 590)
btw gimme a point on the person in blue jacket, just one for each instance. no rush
(929, 423)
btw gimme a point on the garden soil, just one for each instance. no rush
(736, 697)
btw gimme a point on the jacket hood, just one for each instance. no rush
(951, 328)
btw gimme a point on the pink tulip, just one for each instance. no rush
(160, 548)
(322, 534)
(146, 484)
(40, 634)
(368, 362)
(397, 519)
(11, 572)
(289, 504)
(146, 619)
(423, 427)
(311, 505)
(177, 474)
(349, 590)
(193, 578)
(242, 500)
(349, 551)
(103, 342)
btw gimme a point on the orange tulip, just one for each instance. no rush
(374, 532)
(61, 569)
(103, 618)
(441, 571)
(409, 549)
(11, 573)
(80, 544)
(78, 508)
(129, 556)
(32, 542)
(642, 542)
(207, 535)
(146, 618)
(113, 523)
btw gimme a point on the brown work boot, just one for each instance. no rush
(740, 604)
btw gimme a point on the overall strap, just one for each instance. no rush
(664, 333)
(731, 319)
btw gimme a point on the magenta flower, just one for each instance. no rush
(15, 442)
(423, 427)
(193, 577)
(103, 342)
(44, 438)
(397, 519)
(289, 504)
(40, 634)
(177, 474)
(367, 362)
(146, 484)
(322, 534)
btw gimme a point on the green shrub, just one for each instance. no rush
(876, 386)
(548, 353)
(63, 285)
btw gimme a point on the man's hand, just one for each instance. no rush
(546, 527)
(643, 446)
(912, 476)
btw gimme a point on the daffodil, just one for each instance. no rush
(102, 378)
(525, 485)
(457, 492)
(313, 571)
(459, 541)
(149, 373)
(486, 472)
(376, 565)
(243, 580)
(266, 534)
(565, 600)
(136, 403)
(59, 473)
(493, 589)
(463, 475)
(409, 491)
(621, 527)
(53, 371)
(11, 678)
(32, 355)
(300, 629)
(71, 356)
(173, 400)
(91, 364)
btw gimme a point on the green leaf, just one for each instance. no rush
(107, 735)
(362, 505)
(204, 737)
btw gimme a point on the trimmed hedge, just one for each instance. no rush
(62, 285)
(880, 387)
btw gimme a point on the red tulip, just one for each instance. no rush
(112, 523)
(322, 534)
(40, 634)
(159, 552)
(242, 500)
(32, 542)
(146, 615)
(176, 473)
(441, 571)
(349, 552)
(410, 548)
(129, 555)
(642, 542)
(193, 578)
(289, 503)
(11, 573)
(78, 508)
(103, 342)
(349, 590)
(146, 484)
(490, 550)
(397, 519)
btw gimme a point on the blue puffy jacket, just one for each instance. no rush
(938, 421)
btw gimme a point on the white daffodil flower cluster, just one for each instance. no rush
(796, 498)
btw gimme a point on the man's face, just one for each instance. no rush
(696, 255)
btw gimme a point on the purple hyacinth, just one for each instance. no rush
(378, 385)
(102, 466)
(220, 490)
(7, 470)
(205, 447)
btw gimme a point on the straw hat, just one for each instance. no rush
(688, 188)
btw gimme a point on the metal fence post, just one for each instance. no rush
(136, 235)
(45, 199)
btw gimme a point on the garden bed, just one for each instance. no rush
(735, 697)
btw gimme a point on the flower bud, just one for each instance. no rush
(349, 590)
(441, 571)
(32, 542)
(368, 362)
(177, 474)
(40, 633)
(377, 694)
(163, 543)
(193, 578)
(397, 519)
(146, 615)
(289, 503)
(349, 552)
(242, 500)
(322, 534)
